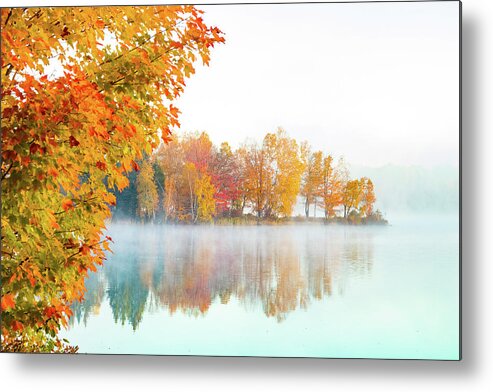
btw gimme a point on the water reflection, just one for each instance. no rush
(273, 269)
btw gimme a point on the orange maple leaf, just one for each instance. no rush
(67, 204)
(8, 302)
(53, 172)
(100, 24)
(174, 111)
(50, 311)
(84, 249)
(17, 325)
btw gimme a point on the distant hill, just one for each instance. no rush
(402, 189)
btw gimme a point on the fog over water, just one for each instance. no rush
(403, 190)
(305, 290)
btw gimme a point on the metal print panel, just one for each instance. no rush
(275, 180)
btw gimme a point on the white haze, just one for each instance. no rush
(376, 83)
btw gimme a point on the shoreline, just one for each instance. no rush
(264, 222)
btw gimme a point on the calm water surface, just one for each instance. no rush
(322, 291)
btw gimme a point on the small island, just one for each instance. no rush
(191, 181)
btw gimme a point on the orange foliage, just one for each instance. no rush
(70, 136)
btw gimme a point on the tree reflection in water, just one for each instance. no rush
(184, 268)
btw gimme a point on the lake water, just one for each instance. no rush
(305, 291)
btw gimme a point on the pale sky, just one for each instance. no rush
(376, 83)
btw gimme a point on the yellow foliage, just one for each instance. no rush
(147, 195)
(204, 189)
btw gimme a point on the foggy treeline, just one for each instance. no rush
(414, 189)
(192, 180)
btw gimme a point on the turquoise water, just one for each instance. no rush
(306, 291)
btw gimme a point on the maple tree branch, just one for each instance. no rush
(66, 231)
(73, 255)
(7, 253)
(8, 17)
(8, 170)
(115, 82)
(143, 43)
(9, 69)
(36, 15)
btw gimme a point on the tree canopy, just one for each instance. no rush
(203, 182)
(86, 92)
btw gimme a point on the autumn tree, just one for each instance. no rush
(197, 149)
(190, 176)
(331, 190)
(170, 158)
(351, 196)
(193, 167)
(69, 137)
(206, 205)
(368, 197)
(313, 177)
(240, 192)
(286, 170)
(169, 198)
(272, 174)
(227, 179)
(256, 174)
(159, 180)
(147, 194)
